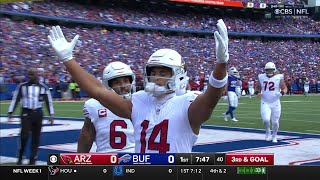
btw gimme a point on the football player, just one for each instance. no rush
(306, 86)
(238, 84)
(270, 88)
(162, 121)
(251, 87)
(110, 132)
(231, 93)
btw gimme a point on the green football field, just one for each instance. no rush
(299, 113)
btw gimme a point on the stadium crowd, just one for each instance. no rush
(25, 45)
(165, 16)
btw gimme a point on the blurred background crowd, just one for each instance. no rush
(24, 43)
(168, 16)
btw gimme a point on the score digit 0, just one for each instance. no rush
(113, 159)
(171, 159)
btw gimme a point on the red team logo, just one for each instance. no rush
(66, 159)
(53, 170)
(102, 113)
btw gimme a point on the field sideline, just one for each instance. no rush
(299, 113)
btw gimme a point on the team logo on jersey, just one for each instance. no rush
(102, 113)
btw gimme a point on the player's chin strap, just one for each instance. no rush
(125, 95)
(155, 90)
(218, 83)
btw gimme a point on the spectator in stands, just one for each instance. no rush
(292, 55)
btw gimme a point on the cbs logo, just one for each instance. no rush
(53, 159)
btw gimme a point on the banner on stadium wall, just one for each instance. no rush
(213, 2)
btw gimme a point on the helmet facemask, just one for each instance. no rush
(270, 72)
(270, 69)
(234, 72)
(165, 58)
(170, 85)
(125, 90)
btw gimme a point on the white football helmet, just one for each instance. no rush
(181, 88)
(168, 58)
(234, 72)
(270, 65)
(118, 69)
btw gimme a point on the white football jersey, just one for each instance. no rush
(163, 128)
(306, 83)
(251, 84)
(270, 87)
(113, 133)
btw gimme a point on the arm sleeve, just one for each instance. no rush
(15, 100)
(87, 111)
(48, 100)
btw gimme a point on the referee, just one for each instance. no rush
(32, 94)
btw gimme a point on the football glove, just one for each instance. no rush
(279, 94)
(222, 41)
(61, 46)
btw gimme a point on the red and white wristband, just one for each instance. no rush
(218, 83)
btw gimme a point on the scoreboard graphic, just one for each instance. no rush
(160, 159)
(185, 166)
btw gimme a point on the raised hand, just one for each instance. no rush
(222, 41)
(61, 46)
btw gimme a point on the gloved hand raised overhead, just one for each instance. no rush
(222, 41)
(61, 46)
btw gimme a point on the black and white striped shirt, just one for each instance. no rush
(32, 96)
